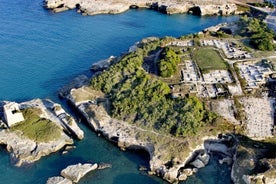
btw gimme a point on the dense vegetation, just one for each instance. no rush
(264, 4)
(261, 37)
(141, 99)
(209, 59)
(168, 62)
(36, 128)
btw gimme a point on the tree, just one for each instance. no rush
(168, 62)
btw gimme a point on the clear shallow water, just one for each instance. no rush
(41, 51)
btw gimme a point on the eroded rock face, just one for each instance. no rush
(73, 173)
(254, 162)
(25, 151)
(88, 7)
(76, 172)
(58, 180)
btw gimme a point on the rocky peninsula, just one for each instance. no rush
(33, 129)
(128, 96)
(170, 157)
(87, 7)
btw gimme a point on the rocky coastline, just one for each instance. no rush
(25, 150)
(170, 166)
(87, 7)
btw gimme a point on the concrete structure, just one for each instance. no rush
(12, 113)
(259, 117)
(182, 43)
(189, 72)
(253, 74)
(217, 76)
(230, 49)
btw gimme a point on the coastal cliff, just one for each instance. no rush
(171, 158)
(39, 133)
(88, 7)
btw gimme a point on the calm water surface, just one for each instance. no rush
(41, 51)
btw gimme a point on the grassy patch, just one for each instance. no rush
(84, 94)
(209, 59)
(36, 128)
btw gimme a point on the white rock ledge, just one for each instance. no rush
(89, 7)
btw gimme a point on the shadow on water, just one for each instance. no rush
(213, 172)
(128, 178)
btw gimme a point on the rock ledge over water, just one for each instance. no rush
(88, 7)
(25, 150)
(73, 173)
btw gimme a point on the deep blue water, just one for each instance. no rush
(41, 51)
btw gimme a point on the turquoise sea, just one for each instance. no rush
(41, 51)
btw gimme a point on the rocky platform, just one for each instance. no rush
(89, 7)
(23, 149)
(73, 173)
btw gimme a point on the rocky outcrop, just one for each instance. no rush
(23, 149)
(77, 82)
(26, 151)
(254, 162)
(103, 64)
(76, 172)
(58, 180)
(88, 7)
(73, 173)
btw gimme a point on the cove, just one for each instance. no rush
(42, 51)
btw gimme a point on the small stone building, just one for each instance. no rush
(12, 113)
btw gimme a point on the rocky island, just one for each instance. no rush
(87, 7)
(34, 129)
(73, 173)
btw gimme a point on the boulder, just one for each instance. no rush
(226, 160)
(198, 163)
(185, 173)
(104, 166)
(204, 158)
(76, 172)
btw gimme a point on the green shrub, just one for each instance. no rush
(168, 62)
(36, 128)
(145, 101)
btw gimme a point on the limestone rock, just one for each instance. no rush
(64, 119)
(75, 83)
(103, 166)
(226, 160)
(58, 180)
(88, 7)
(24, 150)
(197, 163)
(184, 174)
(76, 172)
(204, 158)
